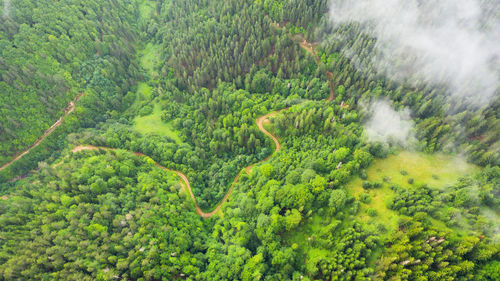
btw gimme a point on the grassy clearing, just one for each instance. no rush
(307, 230)
(146, 9)
(437, 171)
(152, 124)
(149, 58)
(144, 91)
(142, 97)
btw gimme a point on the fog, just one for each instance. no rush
(388, 125)
(455, 42)
(6, 4)
(494, 228)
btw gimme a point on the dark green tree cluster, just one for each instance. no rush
(419, 251)
(209, 41)
(296, 13)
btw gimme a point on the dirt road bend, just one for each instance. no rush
(70, 108)
(184, 179)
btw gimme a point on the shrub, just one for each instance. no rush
(371, 212)
(146, 110)
(365, 198)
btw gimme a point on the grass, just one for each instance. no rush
(306, 230)
(142, 96)
(149, 58)
(144, 91)
(146, 9)
(436, 170)
(152, 124)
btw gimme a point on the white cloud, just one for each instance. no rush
(388, 125)
(6, 4)
(452, 41)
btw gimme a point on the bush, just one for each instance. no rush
(363, 175)
(371, 212)
(365, 198)
(146, 110)
(366, 185)
(379, 150)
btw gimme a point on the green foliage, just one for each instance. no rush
(146, 110)
(45, 50)
(183, 82)
(99, 216)
(442, 123)
(420, 251)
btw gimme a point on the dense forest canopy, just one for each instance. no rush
(257, 112)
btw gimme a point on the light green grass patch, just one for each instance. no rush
(146, 9)
(144, 91)
(304, 236)
(152, 124)
(149, 58)
(436, 170)
(142, 96)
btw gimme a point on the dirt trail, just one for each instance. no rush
(186, 185)
(309, 47)
(329, 75)
(260, 124)
(70, 108)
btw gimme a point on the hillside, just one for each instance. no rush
(248, 140)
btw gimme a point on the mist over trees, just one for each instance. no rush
(455, 43)
(198, 74)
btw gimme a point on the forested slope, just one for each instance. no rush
(51, 52)
(214, 118)
(205, 71)
(97, 209)
(443, 123)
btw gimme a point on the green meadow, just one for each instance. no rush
(435, 170)
(152, 124)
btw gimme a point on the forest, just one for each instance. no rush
(230, 140)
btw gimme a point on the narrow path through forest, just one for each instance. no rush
(70, 108)
(186, 185)
(309, 47)
(329, 75)
(260, 124)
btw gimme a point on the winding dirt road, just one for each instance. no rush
(70, 108)
(309, 47)
(329, 75)
(186, 185)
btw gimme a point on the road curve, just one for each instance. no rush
(70, 108)
(186, 185)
